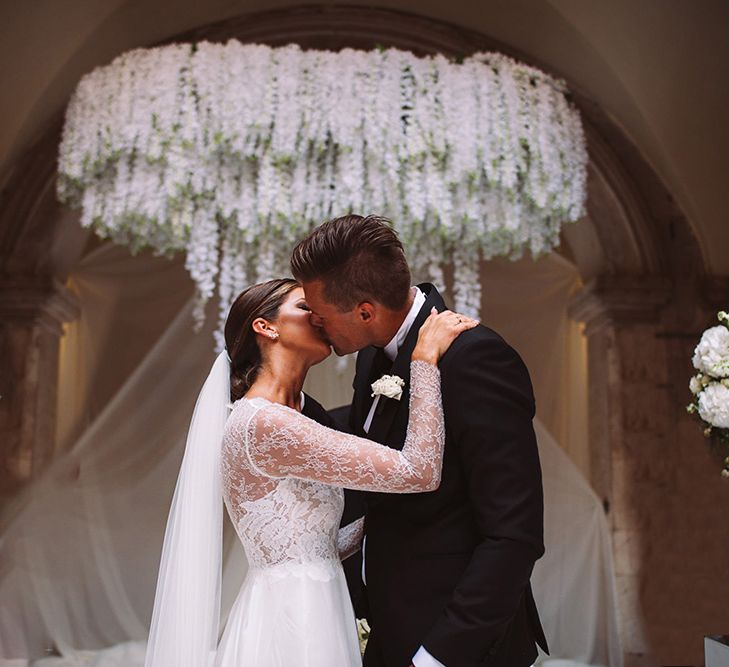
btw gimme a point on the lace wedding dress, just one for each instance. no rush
(283, 475)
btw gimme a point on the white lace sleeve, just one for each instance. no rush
(349, 540)
(285, 443)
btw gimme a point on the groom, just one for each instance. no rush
(446, 573)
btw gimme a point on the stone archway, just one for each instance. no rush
(645, 299)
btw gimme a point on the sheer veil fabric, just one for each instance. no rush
(185, 619)
(80, 550)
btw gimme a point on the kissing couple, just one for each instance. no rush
(439, 468)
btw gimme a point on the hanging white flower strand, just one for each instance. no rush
(232, 152)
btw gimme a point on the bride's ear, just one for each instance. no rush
(263, 328)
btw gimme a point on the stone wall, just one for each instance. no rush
(32, 312)
(665, 499)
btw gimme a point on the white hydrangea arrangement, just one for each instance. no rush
(710, 386)
(233, 152)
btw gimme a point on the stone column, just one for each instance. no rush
(32, 312)
(665, 499)
(629, 419)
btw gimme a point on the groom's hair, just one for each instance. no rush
(357, 259)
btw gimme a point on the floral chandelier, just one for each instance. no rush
(234, 152)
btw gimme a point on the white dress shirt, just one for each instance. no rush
(395, 343)
(422, 658)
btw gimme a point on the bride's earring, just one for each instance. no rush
(273, 335)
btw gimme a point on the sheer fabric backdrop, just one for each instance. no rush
(80, 549)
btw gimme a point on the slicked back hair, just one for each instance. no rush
(357, 259)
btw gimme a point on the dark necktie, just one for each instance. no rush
(381, 364)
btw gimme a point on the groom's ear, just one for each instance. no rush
(366, 311)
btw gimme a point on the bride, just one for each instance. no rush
(281, 476)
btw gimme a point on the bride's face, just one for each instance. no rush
(296, 330)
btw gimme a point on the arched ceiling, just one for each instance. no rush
(658, 68)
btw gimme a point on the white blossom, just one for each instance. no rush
(711, 355)
(714, 405)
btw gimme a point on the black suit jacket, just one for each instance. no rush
(314, 410)
(450, 569)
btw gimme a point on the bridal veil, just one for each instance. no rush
(186, 616)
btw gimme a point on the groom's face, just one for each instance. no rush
(346, 330)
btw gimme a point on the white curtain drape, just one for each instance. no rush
(80, 548)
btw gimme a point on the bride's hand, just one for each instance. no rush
(437, 334)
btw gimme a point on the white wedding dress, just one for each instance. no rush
(283, 475)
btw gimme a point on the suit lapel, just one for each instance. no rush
(361, 400)
(388, 408)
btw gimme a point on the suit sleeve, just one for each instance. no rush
(314, 410)
(489, 406)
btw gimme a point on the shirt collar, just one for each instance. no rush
(397, 340)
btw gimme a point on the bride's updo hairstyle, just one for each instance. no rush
(262, 300)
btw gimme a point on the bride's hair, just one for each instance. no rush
(262, 300)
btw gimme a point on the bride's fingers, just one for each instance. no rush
(465, 325)
(465, 321)
(450, 326)
(456, 319)
(448, 321)
(459, 326)
(440, 330)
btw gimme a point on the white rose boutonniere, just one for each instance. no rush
(389, 386)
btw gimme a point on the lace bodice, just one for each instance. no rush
(283, 473)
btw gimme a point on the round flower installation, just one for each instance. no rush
(710, 386)
(233, 152)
